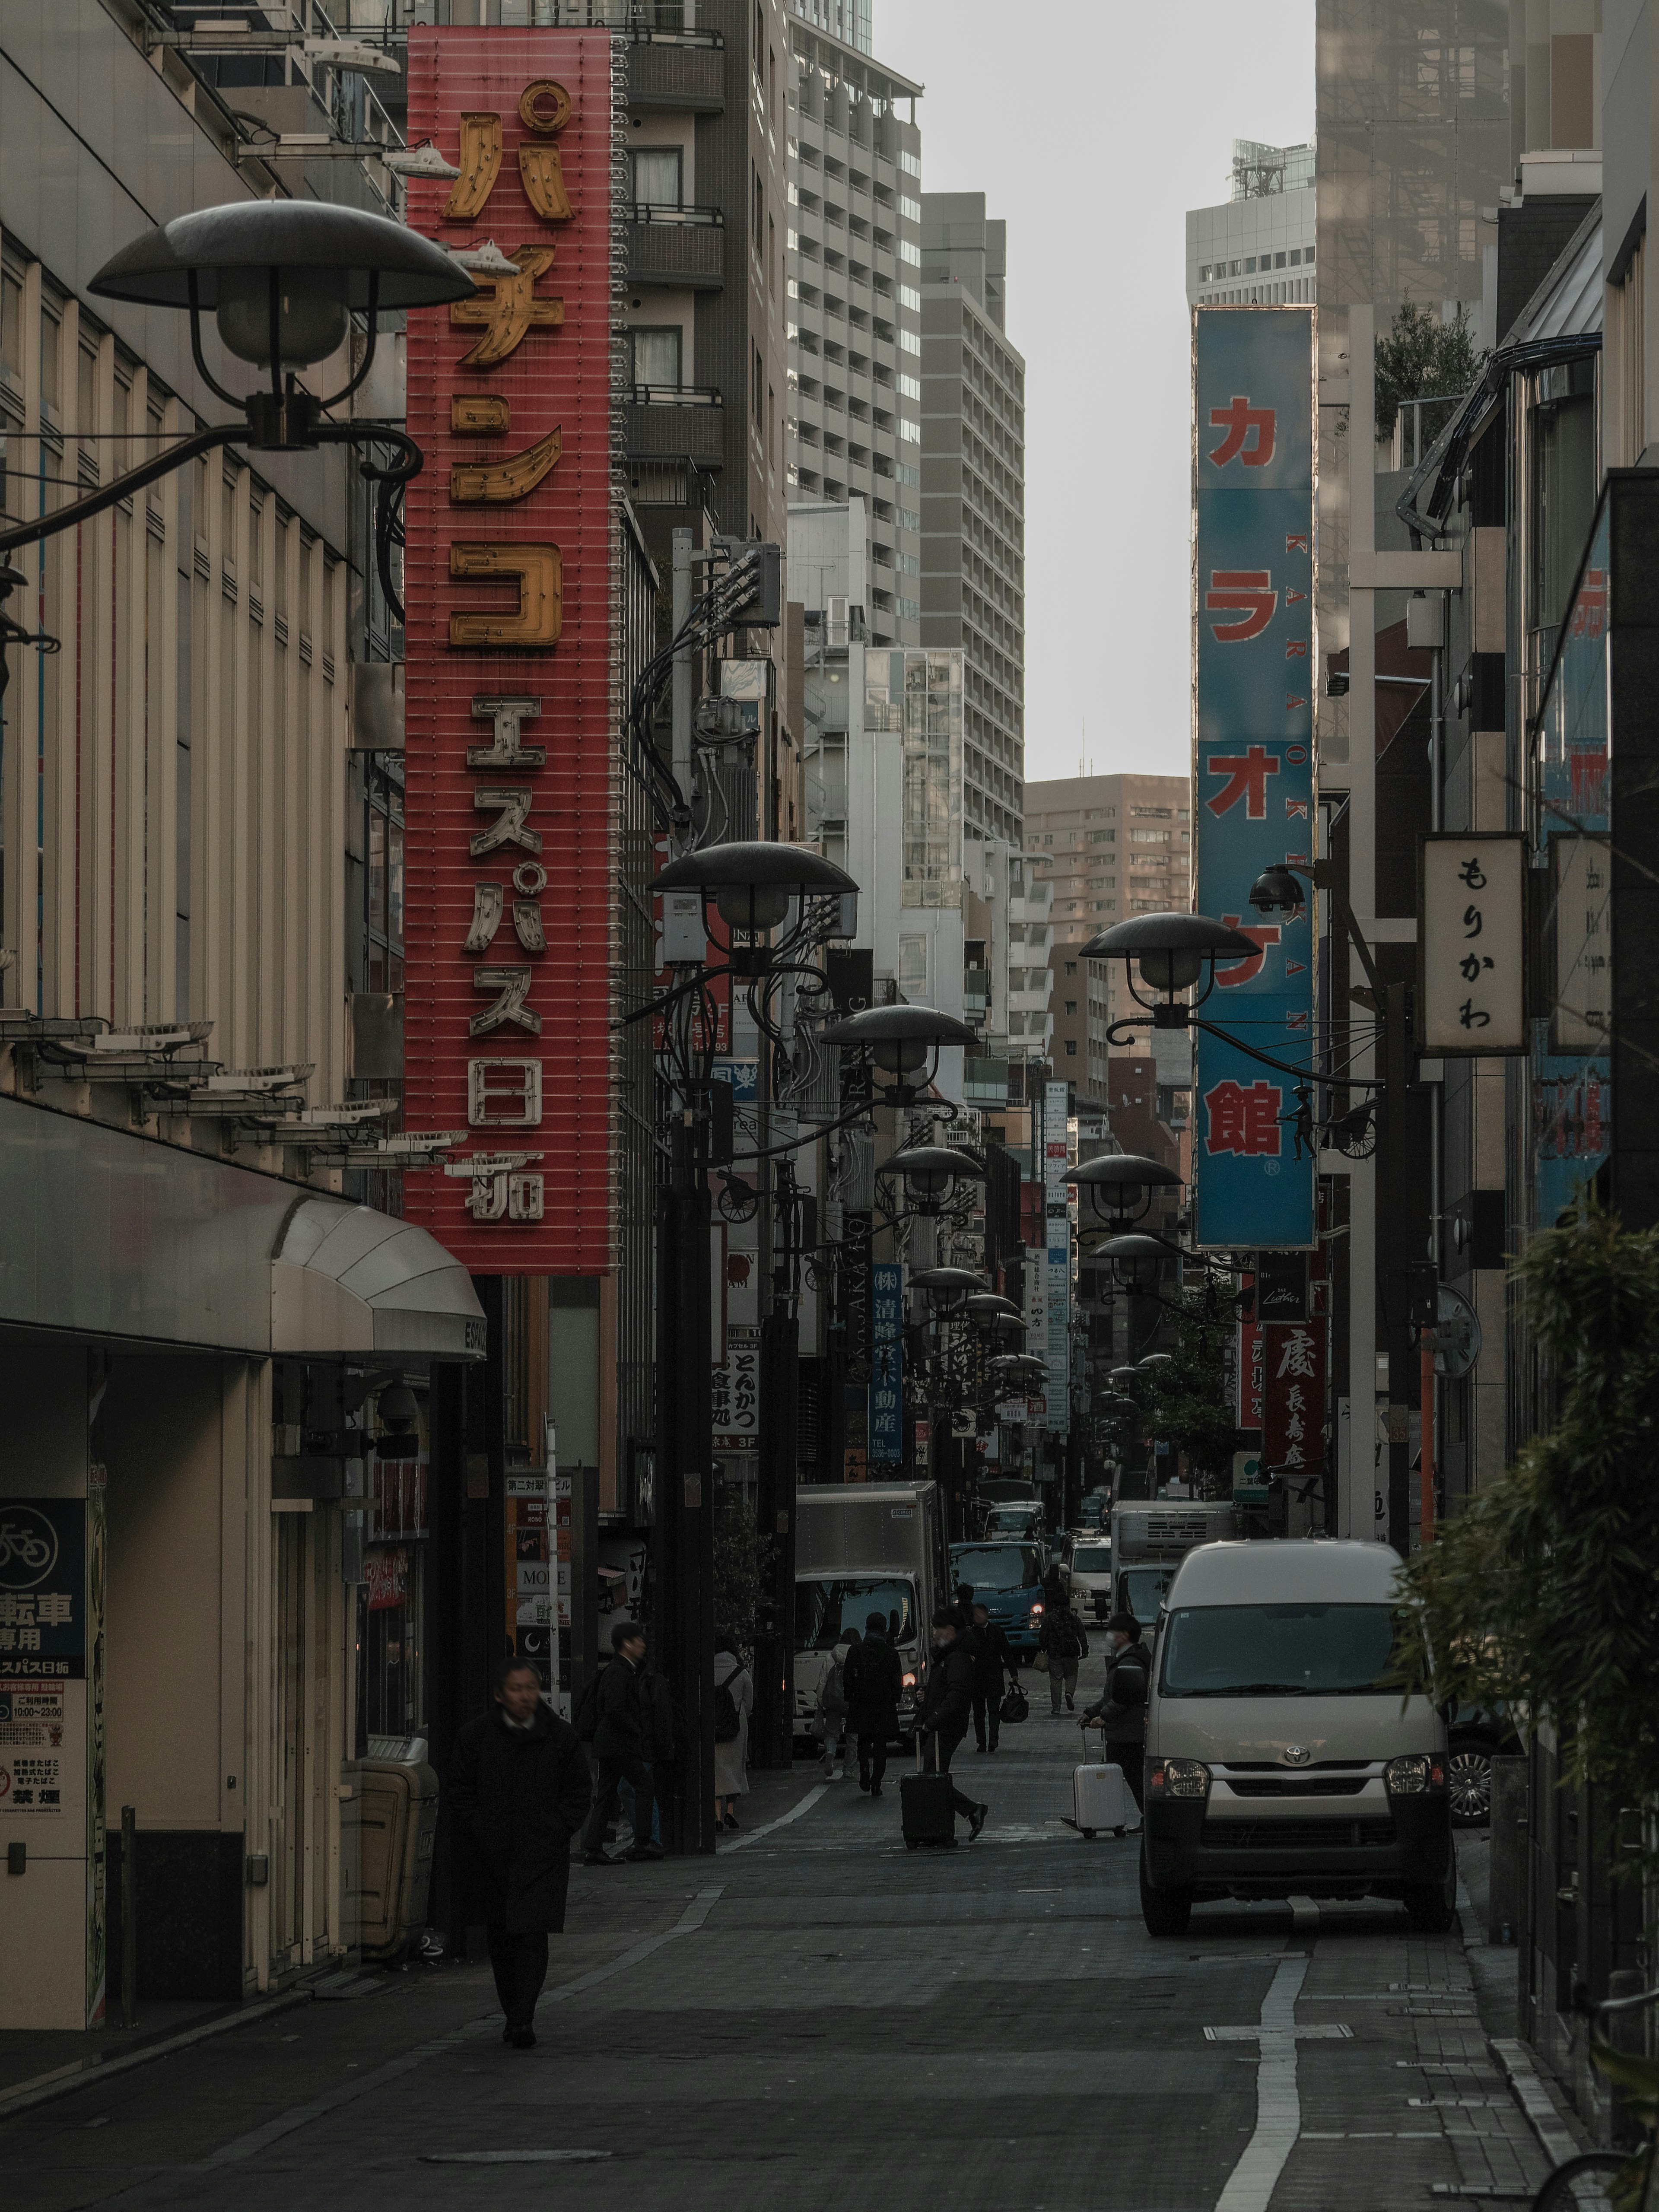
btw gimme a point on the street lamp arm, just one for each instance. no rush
(1322, 876)
(807, 1137)
(1285, 1066)
(122, 486)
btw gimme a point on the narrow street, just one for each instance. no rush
(818, 2013)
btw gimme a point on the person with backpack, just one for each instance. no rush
(734, 1700)
(832, 1704)
(873, 1681)
(1061, 1636)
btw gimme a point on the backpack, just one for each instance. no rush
(1071, 1635)
(833, 1698)
(728, 1721)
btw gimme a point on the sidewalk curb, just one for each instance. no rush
(81, 2075)
(1526, 2087)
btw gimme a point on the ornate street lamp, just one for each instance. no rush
(948, 1289)
(930, 1173)
(1174, 952)
(1135, 1262)
(753, 884)
(283, 278)
(1120, 1186)
(904, 1042)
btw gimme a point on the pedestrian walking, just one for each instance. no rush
(627, 1742)
(873, 1681)
(519, 1788)
(832, 1705)
(946, 1705)
(1120, 1713)
(734, 1700)
(993, 1661)
(1063, 1637)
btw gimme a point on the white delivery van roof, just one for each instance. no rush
(1318, 1572)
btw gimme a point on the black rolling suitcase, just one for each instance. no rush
(925, 1804)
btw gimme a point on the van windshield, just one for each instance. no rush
(824, 1610)
(1093, 1558)
(1278, 1651)
(1140, 1591)
(996, 1567)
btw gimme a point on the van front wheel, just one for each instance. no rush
(1429, 1909)
(1165, 1911)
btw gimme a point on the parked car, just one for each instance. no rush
(1006, 1578)
(1086, 1572)
(1476, 1735)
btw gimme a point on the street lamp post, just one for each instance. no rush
(753, 884)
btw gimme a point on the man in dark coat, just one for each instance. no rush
(627, 1737)
(1121, 1711)
(519, 1787)
(946, 1704)
(874, 1682)
(993, 1659)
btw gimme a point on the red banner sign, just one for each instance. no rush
(510, 719)
(1293, 1394)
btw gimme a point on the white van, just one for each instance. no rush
(1279, 1761)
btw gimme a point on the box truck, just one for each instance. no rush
(865, 1547)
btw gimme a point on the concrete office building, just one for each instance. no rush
(1260, 243)
(973, 519)
(853, 420)
(846, 21)
(1108, 848)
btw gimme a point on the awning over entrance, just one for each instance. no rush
(344, 1279)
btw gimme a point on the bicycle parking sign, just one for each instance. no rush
(43, 1577)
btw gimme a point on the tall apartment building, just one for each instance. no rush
(846, 21)
(973, 504)
(1108, 848)
(853, 426)
(1259, 243)
(703, 338)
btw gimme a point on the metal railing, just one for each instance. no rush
(676, 395)
(691, 217)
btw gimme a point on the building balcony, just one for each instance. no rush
(684, 247)
(677, 422)
(683, 72)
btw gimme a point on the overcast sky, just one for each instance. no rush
(1092, 126)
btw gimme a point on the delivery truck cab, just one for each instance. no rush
(1280, 1760)
(1149, 1539)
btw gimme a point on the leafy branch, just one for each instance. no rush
(1423, 358)
(1541, 1593)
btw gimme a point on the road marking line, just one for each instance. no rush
(1277, 2107)
(782, 1821)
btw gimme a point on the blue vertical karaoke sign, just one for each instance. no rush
(1252, 775)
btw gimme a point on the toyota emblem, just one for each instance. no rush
(1296, 1755)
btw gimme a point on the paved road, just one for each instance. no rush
(819, 2018)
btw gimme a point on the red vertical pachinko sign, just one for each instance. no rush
(509, 755)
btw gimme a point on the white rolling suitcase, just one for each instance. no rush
(1100, 1800)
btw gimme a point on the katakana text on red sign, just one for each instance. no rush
(1251, 432)
(1246, 774)
(1249, 593)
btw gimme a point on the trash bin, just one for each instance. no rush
(397, 1807)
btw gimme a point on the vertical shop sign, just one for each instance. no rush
(1293, 1394)
(886, 1361)
(1471, 943)
(1253, 664)
(509, 745)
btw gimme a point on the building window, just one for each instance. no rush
(658, 176)
(1070, 1046)
(655, 355)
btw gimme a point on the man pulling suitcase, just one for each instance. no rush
(947, 1706)
(1120, 1712)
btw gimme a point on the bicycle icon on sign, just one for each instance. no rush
(28, 1547)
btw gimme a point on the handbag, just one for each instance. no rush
(1040, 1663)
(1016, 1706)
